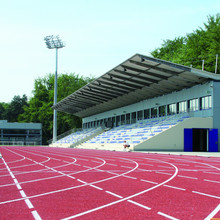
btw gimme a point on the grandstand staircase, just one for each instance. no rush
(76, 138)
(81, 141)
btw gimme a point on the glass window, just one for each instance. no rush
(154, 112)
(122, 119)
(139, 115)
(182, 107)
(128, 118)
(171, 109)
(162, 110)
(206, 102)
(133, 117)
(117, 120)
(194, 104)
(146, 113)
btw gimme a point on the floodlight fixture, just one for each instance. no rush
(54, 42)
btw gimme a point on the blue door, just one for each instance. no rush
(188, 139)
(213, 140)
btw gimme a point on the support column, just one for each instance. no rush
(216, 109)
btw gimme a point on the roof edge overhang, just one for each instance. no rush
(137, 78)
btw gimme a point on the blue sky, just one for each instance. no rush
(98, 34)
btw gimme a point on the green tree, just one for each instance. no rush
(171, 50)
(3, 109)
(39, 106)
(202, 44)
(11, 111)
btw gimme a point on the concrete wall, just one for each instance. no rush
(173, 138)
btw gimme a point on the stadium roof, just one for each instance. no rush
(136, 79)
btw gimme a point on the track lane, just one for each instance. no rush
(157, 170)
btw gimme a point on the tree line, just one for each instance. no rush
(195, 48)
(38, 108)
(202, 44)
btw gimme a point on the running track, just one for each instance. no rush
(56, 183)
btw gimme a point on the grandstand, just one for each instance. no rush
(152, 103)
(14, 133)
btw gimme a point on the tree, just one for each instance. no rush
(202, 44)
(171, 50)
(3, 107)
(11, 111)
(39, 106)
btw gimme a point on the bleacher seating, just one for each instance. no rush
(133, 133)
(136, 133)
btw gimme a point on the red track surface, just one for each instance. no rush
(54, 183)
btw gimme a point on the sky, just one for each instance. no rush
(98, 35)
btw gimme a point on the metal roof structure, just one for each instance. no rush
(136, 79)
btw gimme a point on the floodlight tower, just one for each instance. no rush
(54, 42)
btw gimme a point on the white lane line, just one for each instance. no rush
(36, 215)
(12, 175)
(27, 201)
(69, 188)
(174, 187)
(77, 164)
(204, 194)
(114, 194)
(212, 173)
(87, 167)
(167, 216)
(189, 177)
(23, 194)
(212, 181)
(144, 170)
(127, 167)
(138, 204)
(96, 187)
(15, 180)
(18, 186)
(126, 198)
(131, 177)
(149, 181)
(29, 204)
(81, 181)
(96, 161)
(213, 213)
(164, 173)
(17, 160)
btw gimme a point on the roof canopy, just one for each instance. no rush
(138, 78)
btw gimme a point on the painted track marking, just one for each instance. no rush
(126, 198)
(167, 216)
(189, 170)
(27, 201)
(205, 194)
(213, 213)
(138, 204)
